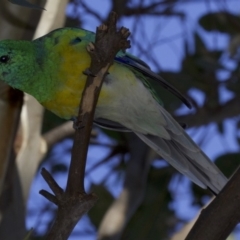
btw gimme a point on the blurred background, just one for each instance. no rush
(193, 44)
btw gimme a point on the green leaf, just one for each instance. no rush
(221, 21)
(228, 163)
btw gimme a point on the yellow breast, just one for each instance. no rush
(70, 82)
(69, 79)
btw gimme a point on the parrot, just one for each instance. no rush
(51, 69)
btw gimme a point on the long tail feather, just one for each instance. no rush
(183, 154)
(197, 166)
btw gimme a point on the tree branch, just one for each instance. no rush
(218, 220)
(74, 202)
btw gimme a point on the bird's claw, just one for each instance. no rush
(88, 73)
(76, 123)
(125, 32)
(90, 47)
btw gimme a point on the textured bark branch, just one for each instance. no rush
(218, 220)
(74, 202)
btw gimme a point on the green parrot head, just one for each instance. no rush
(21, 66)
(33, 66)
(16, 63)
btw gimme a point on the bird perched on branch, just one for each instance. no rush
(51, 69)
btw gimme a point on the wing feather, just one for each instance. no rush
(143, 68)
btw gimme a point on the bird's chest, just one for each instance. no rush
(121, 96)
(66, 96)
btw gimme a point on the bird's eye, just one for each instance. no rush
(76, 41)
(4, 59)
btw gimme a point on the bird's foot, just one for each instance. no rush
(77, 124)
(88, 73)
